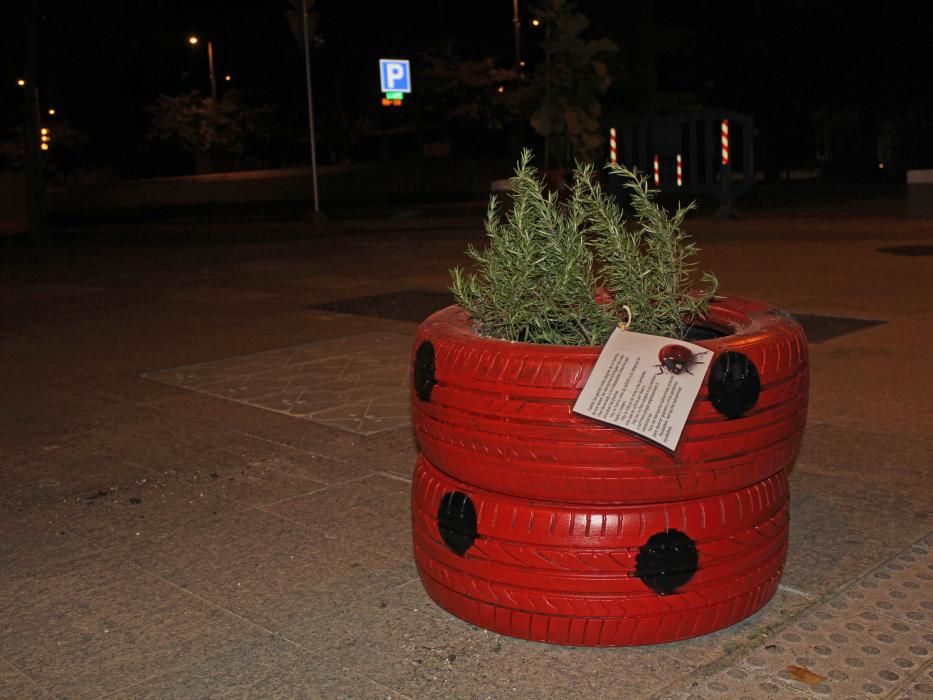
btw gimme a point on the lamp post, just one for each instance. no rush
(193, 40)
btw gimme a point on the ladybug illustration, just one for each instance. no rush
(677, 359)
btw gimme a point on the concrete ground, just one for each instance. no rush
(184, 516)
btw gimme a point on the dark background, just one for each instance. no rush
(828, 83)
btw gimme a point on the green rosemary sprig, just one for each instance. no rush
(537, 279)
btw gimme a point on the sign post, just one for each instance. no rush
(305, 7)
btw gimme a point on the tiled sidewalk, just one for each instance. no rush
(873, 639)
(160, 537)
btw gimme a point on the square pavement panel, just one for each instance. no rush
(357, 383)
(413, 305)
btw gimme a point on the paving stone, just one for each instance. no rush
(356, 383)
(38, 543)
(276, 428)
(92, 629)
(375, 510)
(424, 656)
(261, 668)
(250, 483)
(69, 483)
(393, 451)
(867, 458)
(16, 686)
(301, 464)
(122, 518)
(276, 573)
(836, 535)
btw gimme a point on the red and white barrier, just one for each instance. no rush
(725, 142)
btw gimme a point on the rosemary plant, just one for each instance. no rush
(649, 264)
(537, 280)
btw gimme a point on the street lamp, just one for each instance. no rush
(193, 40)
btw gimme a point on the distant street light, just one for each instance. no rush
(21, 82)
(536, 22)
(193, 40)
(228, 77)
(51, 112)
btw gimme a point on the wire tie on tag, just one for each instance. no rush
(623, 325)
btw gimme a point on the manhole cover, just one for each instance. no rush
(822, 328)
(407, 305)
(913, 251)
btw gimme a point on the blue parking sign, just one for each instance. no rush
(395, 74)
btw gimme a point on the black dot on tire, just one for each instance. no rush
(456, 520)
(423, 375)
(666, 561)
(734, 384)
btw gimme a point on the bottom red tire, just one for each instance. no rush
(598, 575)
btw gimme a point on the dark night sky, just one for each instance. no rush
(102, 62)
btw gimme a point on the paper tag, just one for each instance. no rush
(645, 384)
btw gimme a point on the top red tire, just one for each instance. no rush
(498, 414)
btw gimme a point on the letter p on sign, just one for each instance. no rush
(395, 75)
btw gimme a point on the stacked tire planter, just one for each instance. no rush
(537, 523)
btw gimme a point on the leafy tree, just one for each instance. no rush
(471, 92)
(570, 84)
(200, 126)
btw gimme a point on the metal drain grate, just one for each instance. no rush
(407, 305)
(910, 250)
(822, 328)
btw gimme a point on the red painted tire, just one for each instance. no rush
(498, 415)
(598, 575)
